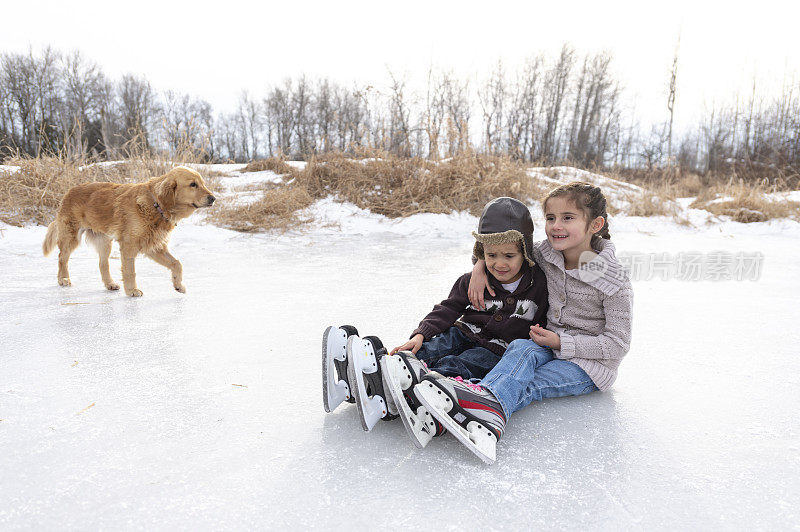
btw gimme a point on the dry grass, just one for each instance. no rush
(274, 164)
(745, 202)
(655, 200)
(279, 208)
(385, 184)
(380, 182)
(664, 182)
(397, 187)
(749, 201)
(650, 203)
(683, 186)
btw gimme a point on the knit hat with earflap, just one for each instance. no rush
(504, 220)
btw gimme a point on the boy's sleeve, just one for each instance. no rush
(445, 314)
(541, 314)
(542, 299)
(615, 339)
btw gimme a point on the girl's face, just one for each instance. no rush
(566, 225)
(504, 261)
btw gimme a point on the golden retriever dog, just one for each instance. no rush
(140, 217)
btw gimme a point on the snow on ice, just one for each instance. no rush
(204, 410)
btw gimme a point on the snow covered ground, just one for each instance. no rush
(204, 410)
(8, 169)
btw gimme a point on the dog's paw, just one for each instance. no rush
(112, 286)
(180, 288)
(64, 281)
(134, 293)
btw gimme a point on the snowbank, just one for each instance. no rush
(8, 169)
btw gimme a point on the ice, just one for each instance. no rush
(204, 410)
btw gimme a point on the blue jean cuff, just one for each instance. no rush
(505, 410)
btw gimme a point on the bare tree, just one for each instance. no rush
(303, 117)
(434, 113)
(137, 110)
(594, 111)
(31, 85)
(522, 127)
(7, 122)
(715, 133)
(492, 98)
(182, 121)
(280, 117)
(85, 96)
(555, 89)
(399, 116)
(324, 114)
(671, 100)
(350, 118)
(457, 105)
(249, 117)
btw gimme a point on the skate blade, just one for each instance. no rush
(419, 425)
(474, 436)
(361, 359)
(334, 392)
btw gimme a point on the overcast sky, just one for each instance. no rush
(215, 50)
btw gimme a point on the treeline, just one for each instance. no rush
(569, 109)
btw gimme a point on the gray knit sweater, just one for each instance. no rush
(591, 312)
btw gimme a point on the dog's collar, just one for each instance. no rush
(159, 209)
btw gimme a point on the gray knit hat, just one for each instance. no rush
(505, 220)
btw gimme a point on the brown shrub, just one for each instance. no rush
(746, 202)
(650, 203)
(274, 164)
(688, 186)
(397, 187)
(749, 200)
(664, 182)
(384, 184)
(278, 208)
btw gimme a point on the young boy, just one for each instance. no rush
(458, 340)
(455, 338)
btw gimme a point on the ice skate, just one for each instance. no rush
(468, 411)
(401, 372)
(335, 386)
(366, 382)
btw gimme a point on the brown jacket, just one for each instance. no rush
(508, 316)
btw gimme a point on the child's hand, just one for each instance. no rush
(412, 345)
(545, 338)
(477, 284)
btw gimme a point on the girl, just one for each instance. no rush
(588, 333)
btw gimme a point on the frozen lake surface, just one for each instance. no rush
(204, 410)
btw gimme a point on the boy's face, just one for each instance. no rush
(504, 261)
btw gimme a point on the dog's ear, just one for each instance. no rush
(165, 192)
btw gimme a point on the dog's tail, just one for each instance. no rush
(51, 238)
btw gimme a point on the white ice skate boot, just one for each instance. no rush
(366, 382)
(335, 386)
(401, 372)
(468, 411)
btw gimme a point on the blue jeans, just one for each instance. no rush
(528, 372)
(454, 355)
